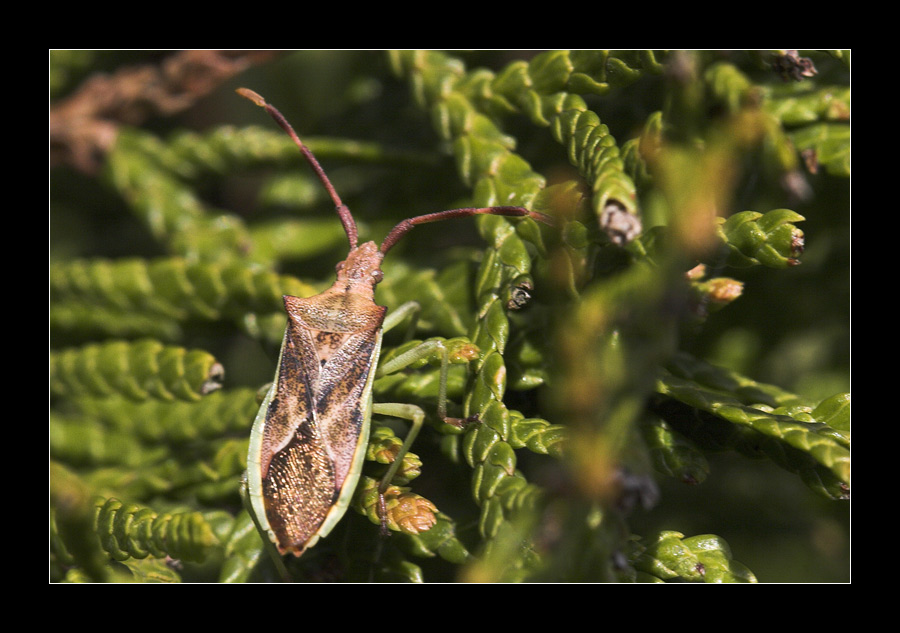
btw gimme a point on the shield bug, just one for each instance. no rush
(310, 435)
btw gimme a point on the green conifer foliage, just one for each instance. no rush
(661, 380)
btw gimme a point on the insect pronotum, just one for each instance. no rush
(310, 435)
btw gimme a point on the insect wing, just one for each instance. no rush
(310, 434)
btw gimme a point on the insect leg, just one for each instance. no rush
(416, 416)
(424, 350)
(412, 412)
(397, 315)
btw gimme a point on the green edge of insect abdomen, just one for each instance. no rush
(254, 459)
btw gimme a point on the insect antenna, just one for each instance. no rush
(342, 210)
(403, 227)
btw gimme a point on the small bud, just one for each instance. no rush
(798, 243)
(791, 66)
(723, 289)
(410, 512)
(696, 273)
(461, 350)
(384, 447)
(519, 293)
(620, 226)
